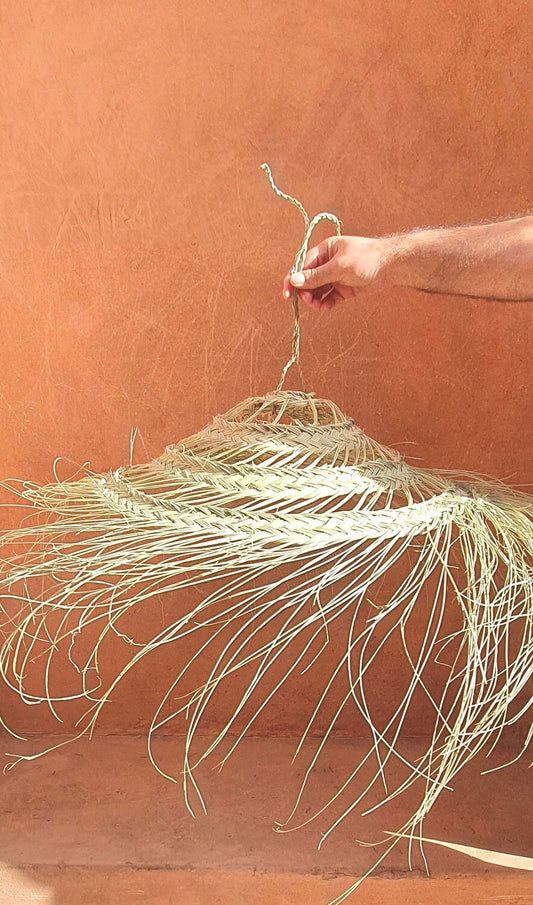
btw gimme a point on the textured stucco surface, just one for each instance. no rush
(142, 249)
(140, 269)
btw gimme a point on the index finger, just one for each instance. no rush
(312, 258)
(319, 254)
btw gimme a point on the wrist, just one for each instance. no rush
(399, 258)
(414, 258)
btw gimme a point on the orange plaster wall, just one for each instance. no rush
(142, 249)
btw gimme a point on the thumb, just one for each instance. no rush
(316, 276)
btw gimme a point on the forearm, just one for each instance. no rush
(493, 260)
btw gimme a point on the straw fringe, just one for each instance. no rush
(284, 482)
(286, 518)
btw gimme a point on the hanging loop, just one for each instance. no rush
(297, 266)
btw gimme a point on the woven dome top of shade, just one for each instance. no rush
(258, 428)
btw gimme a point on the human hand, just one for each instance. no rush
(338, 269)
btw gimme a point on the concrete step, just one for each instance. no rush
(94, 822)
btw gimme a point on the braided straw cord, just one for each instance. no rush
(298, 264)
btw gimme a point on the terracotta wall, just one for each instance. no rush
(142, 249)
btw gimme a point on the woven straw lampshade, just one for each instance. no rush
(293, 521)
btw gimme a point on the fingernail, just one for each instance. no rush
(297, 279)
